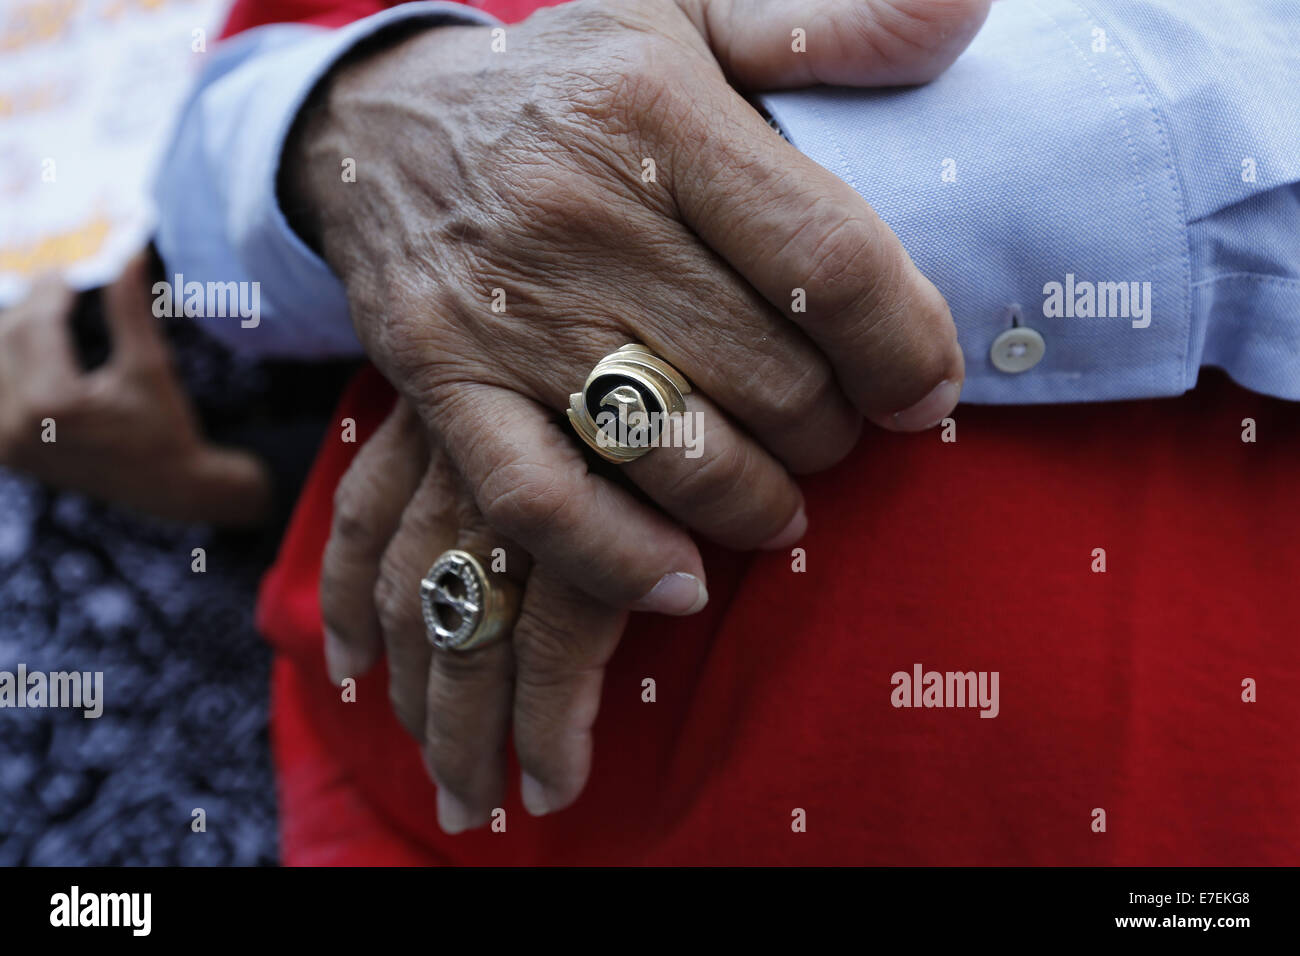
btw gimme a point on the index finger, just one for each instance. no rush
(817, 251)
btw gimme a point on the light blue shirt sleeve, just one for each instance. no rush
(1104, 190)
(219, 216)
(1117, 176)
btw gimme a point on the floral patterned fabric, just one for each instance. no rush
(87, 587)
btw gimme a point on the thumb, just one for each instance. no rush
(775, 44)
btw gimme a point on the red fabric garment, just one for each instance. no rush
(246, 14)
(1119, 690)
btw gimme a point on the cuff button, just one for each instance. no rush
(1017, 350)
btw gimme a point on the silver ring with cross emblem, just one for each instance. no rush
(466, 606)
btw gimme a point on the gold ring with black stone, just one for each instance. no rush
(626, 402)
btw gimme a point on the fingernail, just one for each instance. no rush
(341, 661)
(793, 531)
(534, 795)
(926, 413)
(676, 593)
(455, 816)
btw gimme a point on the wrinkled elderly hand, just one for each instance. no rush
(502, 235)
(398, 507)
(125, 432)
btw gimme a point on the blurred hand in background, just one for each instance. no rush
(125, 432)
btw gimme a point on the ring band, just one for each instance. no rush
(625, 403)
(465, 607)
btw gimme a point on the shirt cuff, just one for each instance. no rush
(305, 292)
(1033, 184)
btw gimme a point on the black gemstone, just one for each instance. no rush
(605, 384)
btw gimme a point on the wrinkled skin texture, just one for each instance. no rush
(522, 171)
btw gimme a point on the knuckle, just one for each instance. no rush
(790, 406)
(853, 273)
(552, 703)
(919, 335)
(356, 514)
(524, 500)
(544, 652)
(458, 672)
(881, 311)
(719, 477)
